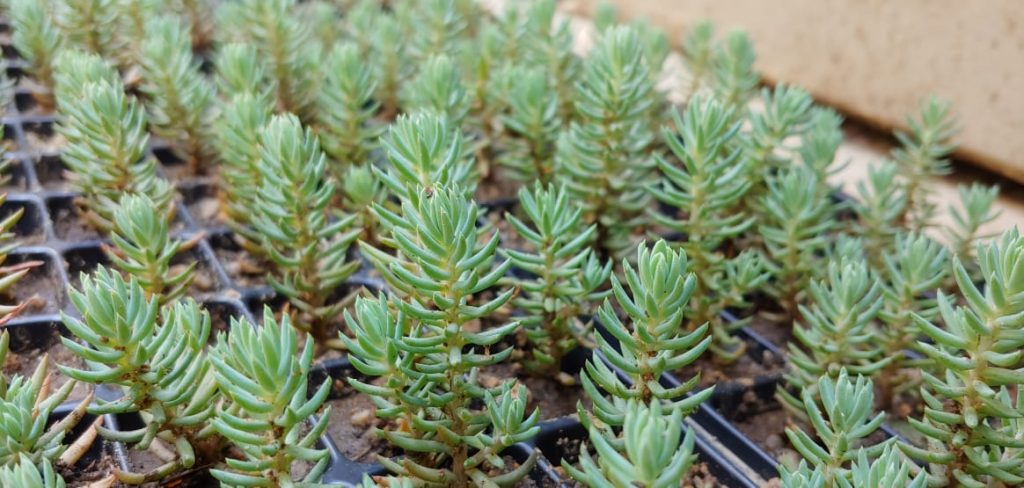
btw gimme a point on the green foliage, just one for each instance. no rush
(698, 53)
(879, 205)
(26, 475)
(362, 189)
(268, 412)
(914, 270)
(25, 408)
(921, 156)
(786, 113)
(292, 215)
(603, 159)
(155, 356)
(199, 15)
(285, 45)
(9, 275)
(735, 80)
(389, 47)
(429, 365)
(435, 25)
(37, 40)
(839, 330)
(653, 344)
(133, 15)
(888, 470)
(566, 277)
(240, 71)
(975, 211)
(648, 453)
(425, 151)
(549, 46)
(532, 117)
(706, 189)
(106, 134)
(971, 420)
(347, 107)
(178, 96)
(88, 25)
(437, 88)
(237, 140)
(143, 249)
(74, 70)
(841, 413)
(821, 139)
(795, 221)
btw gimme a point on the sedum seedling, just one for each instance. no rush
(37, 40)
(889, 470)
(88, 25)
(921, 156)
(301, 235)
(648, 452)
(429, 364)
(971, 417)
(347, 107)
(178, 96)
(26, 474)
(653, 296)
(157, 358)
(268, 409)
(144, 249)
(532, 117)
(565, 277)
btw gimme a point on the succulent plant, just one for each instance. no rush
(971, 419)
(654, 343)
(786, 114)
(889, 470)
(144, 249)
(388, 44)
(913, 271)
(549, 45)
(268, 409)
(698, 52)
(603, 159)
(241, 71)
(132, 17)
(347, 107)
(157, 358)
(976, 202)
(795, 226)
(362, 189)
(732, 69)
(88, 25)
(178, 96)
(440, 23)
(301, 236)
(705, 189)
(841, 412)
(430, 367)
(565, 277)
(437, 87)
(648, 452)
(27, 475)
(922, 155)
(532, 117)
(879, 207)
(74, 70)
(37, 40)
(199, 15)
(106, 134)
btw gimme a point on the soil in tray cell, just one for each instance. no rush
(43, 139)
(744, 370)
(25, 361)
(87, 470)
(203, 205)
(553, 397)
(351, 424)
(244, 270)
(42, 288)
(51, 172)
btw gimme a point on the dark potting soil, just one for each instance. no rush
(243, 270)
(205, 211)
(86, 472)
(743, 371)
(44, 142)
(767, 430)
(495, 188)
(41, 288)
(25, 363)
(67, 226)
(553, 397)
(510, 239)
(351, 425)
(777, 332)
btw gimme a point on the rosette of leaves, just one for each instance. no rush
(705, 191)
(265, 377)
(239, 71)
(178, 96)
(913, 272)
(549, 45)
(88, 25)
(427, 356)
(425, 151)
(889, 470)
(26, 404)
(566, 278)
(74, 70)
(838, 330)
(922, 155)
(347, 108)
(27, 475)
(156, 357)
(285, 46)
(532, 118)
(971, 419)
(603, 158)
(879, 204)
(37, 40)
(107, 138)
(841, 412)
(654, 342)
(144, 249)
(307, 242)
(648, 452)
(794, 225)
